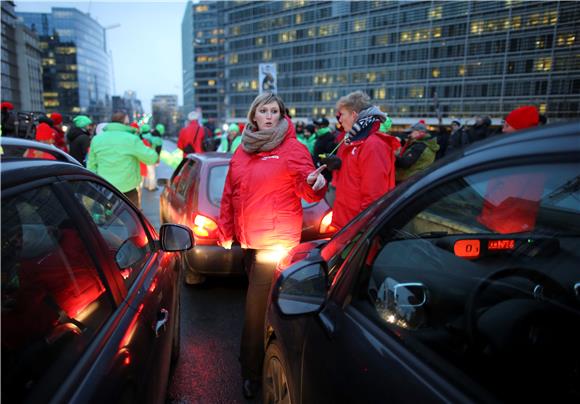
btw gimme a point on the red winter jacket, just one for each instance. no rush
(261, 206)
(192, 136)
(367, 172)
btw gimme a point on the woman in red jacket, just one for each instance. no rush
(261, 210)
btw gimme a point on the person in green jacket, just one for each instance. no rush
(307, 137)
(156, 142)
(115, 155)
(417, 154)
(230, 140)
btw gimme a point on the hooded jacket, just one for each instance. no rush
(367, 172)
(416, 156)
(191, 138)
(115, 155)
(260, 206)
(79, 141)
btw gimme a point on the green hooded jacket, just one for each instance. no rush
(425, 159)
(226, 147)
(115, 155)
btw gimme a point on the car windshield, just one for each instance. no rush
(217, 179)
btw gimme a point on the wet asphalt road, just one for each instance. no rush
(208, 370)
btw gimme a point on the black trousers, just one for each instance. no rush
(252, 344)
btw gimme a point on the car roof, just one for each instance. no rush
(211, 157)
(15, 172)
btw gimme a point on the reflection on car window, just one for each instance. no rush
(184, 179)
(117, 222)
(217, 180)
(483, 275)
(53, 299)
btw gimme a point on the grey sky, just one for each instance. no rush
(146, 48)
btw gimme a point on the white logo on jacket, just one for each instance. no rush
(270, 157)
(353, 151)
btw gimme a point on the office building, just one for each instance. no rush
(130, 104)
(76, 64)
(21, 63)
(203, 59)
(478, 57)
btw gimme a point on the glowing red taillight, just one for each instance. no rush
(325, 224)
(204, 227)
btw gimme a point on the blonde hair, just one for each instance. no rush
(264, 99)
(355, 101)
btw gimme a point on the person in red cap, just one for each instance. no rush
(521, 118)
(511, 202)
(59, 140)
(44, 134)
(8, 119)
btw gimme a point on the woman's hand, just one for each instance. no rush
(315, 179)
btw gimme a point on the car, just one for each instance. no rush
(460, 285)
(90, 290)
(192, 198)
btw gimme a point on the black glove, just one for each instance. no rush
(332, 163)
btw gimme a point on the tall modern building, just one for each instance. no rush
(203, 59)
(75, 62)
(21, 63)
(478, 57)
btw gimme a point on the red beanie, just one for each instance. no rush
(44, 132)
(56, 118)
(7, 105)
(523, 117)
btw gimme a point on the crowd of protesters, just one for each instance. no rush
(275, 163)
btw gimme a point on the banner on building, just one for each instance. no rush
(268, 78)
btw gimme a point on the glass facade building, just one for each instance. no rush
(203, 59)
(76, 65)
(479, 57)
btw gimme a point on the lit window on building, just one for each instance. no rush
(66, 50)
(476, 27)
(211, 83)
(298, 18)
(382, 40)
(267, 54)
(292, 111)
(201, 59)
(311, 32)
(516, 22)
(542, 108)
(435, 13)
(259, 41)
(76, 110)
(233, 58)
(435, 73)
(437, 32)
(50, 95)
(254, 84)
(405, 36)
(51, 103)
(202, 8)
(360, 25)
(543, 64)
(416, 92)
(381, 94)
(371, 77)
(235, 30)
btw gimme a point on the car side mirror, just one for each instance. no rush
(303, 290)
(175, 237)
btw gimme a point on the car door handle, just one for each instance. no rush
(162, 318)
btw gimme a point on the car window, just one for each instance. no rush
(184, 179)
(53, 299)
(482, 275)
(217, 179)
(119, 225)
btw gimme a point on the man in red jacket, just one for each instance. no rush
(367, 169)
(191, 137)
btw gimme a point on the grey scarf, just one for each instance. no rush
(255, 141)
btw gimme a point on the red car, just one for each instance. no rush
(192, 197)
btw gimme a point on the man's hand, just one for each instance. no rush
(315, 178)
(227, 244)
